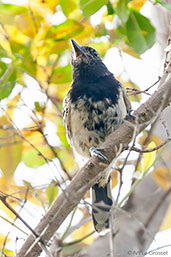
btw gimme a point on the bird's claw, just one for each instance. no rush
(130, 114)
(97, 152)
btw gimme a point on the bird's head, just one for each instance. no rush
(86, 61)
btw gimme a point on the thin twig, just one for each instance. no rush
(135, 91)
(133, 148)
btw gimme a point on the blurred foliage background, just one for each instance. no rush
(35, 75)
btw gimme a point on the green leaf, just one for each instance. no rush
(110, 9)
(89, 7)
(52, 192)
(6, 90)
(33, 159)
(3, 53)
(64, 31)
(38, 107)
(68, 6)
(10, 149)
(35, 150)
(9, 11)
(7, 84)
(61, 132)
(62, 75)
(140, 32)
(122, 10)
(22, 53)
(165, 5)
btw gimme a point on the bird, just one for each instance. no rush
(94, 107)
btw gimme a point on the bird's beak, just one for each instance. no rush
(77, 50)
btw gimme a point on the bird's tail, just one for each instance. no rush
(102, 203)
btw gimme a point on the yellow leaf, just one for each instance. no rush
(166, 224)
(162, 176)
(35, 149)
(10, 149)
(125, 48)
(2, 238)
(43, 7)
(42, 71)
(8, 186)
(82, 231)
(26, 24)
(38, 42)
(136, 4)
(16, 35)
(52, 191)
(66, 154)
(87, 195)
(59, 90)
(4, 40)
(149, 158)
(114, 176)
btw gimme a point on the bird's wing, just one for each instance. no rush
(67, 116)
(126, 98)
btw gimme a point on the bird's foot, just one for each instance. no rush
(130, 115)
(97, 152)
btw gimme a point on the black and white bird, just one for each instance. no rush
(94, 107)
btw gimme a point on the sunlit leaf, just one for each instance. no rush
(62, 75)
(4, 40)
(140, 32)
(125, 48)
(143, 139)
(9, 11)
(43, 8)
(23, 53)
(8, 186)
(89, 7)
(64, 31)
(38, 107)
(63, 155)
(122, 10)
(162, 175)
(114, 177)
(52, 192)
(61, 131)
(100, 30)
(16, 35)
(68, 6)
(7, 81)
(27, 25)
(3, 53)
(35, 150)
(2, 238)
(136, 4)
(8, 252)
(6, 90)
(149, 158)
(10, 149)
(82, 231)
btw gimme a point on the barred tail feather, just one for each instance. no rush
(102, 203)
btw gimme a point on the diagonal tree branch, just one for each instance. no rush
(67, 200)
